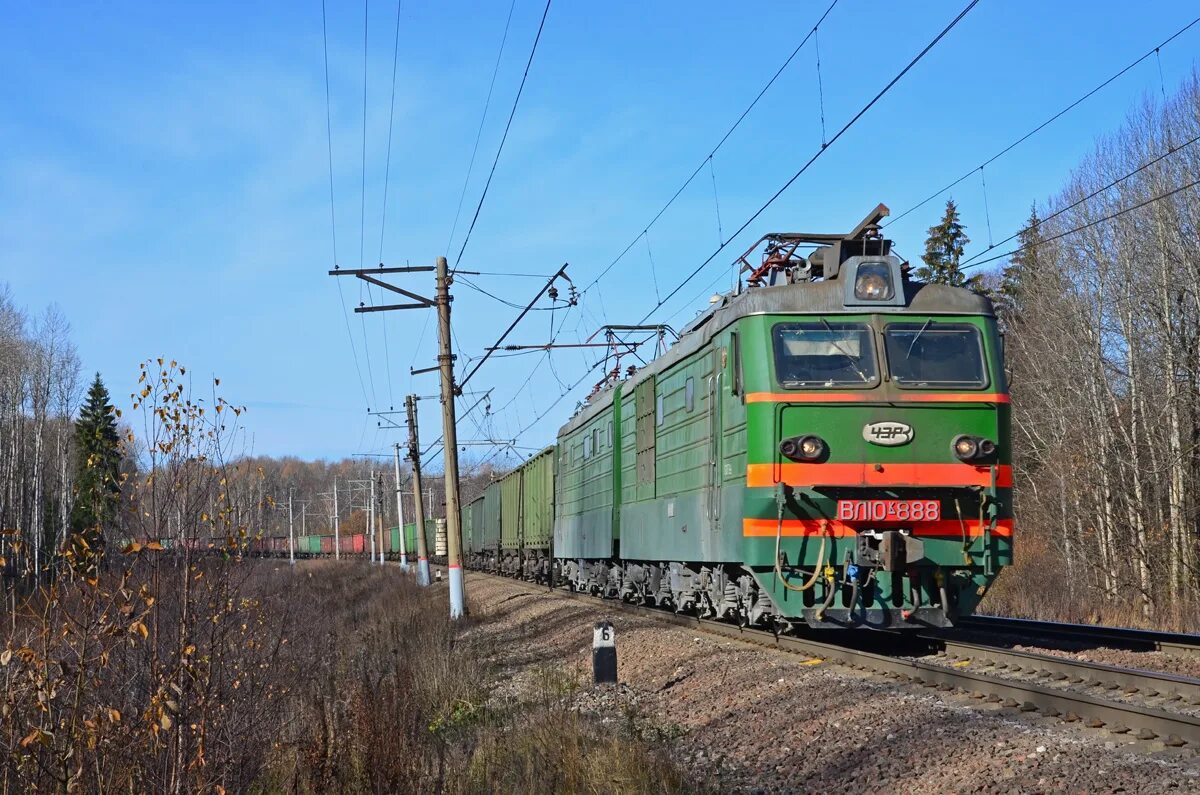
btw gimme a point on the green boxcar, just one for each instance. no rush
(538, 496)
(410, 538)
(394, 541)
(511, 507)
(490, 539)
(464, 520)
(476, 525)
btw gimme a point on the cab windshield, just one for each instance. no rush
(822, 354)
(935, 355)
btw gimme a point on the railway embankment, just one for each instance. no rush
(739, 717)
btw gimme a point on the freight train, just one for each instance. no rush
(305, 546)
(828, 446)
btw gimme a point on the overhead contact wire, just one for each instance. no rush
(716, 148)
(387, 173)
(916, 59)
(332, 204)
(504, 138)
(970, 261)
(479, 133)
(1046, 123)
(1089, 224)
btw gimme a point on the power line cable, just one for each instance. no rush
(1089, 224)
(714, 150)
(332, 204)
(916, 59)
(362, 212)
(387, 173)
(1046, 123)
(969, 260)
(503, 138)
(479, 133)
(505, 301)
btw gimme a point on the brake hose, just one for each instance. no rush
(820, 555)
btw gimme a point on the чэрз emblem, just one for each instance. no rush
(888, 433)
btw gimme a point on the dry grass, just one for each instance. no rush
(326, 678)
(400, 704)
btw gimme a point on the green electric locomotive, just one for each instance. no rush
(828, 446)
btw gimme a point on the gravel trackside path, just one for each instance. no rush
(752, 719)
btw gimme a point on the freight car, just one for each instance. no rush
(829, 446)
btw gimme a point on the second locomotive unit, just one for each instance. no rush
(829, 446)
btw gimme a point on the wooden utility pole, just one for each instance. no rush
(450, 448)
(400, 511)
(371, 517)
(414, 457)
(291, 531)
(379, 519)
(337, 527)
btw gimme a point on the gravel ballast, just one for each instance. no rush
(745, 718)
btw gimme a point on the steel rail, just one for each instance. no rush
(1121, 637)
(1147, 723)
(1071, 672)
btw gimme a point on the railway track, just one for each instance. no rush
(1116, 637)
(1098, 696)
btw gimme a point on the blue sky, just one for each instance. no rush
(164, 174)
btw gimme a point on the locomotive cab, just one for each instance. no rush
(878, 471)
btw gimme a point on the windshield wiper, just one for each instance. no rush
(849, 358)
(917, 336)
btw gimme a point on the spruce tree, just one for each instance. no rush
(1023, 268)
(944, 250)
(97, 473)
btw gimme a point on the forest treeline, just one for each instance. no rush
(1100, 305)
(71, 454)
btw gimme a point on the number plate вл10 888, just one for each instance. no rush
(889, 510)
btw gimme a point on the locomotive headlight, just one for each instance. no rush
(804, 448)
(972, 448)
(965, 448)
(873, 282)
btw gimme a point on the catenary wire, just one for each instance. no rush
(915, 60)
(1046, 123)
(332, 204)
(1089, 224)
(387, 173)
(504, 137)
(479, 133)
(1173, 150)
(362, 213)
(714, 150)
